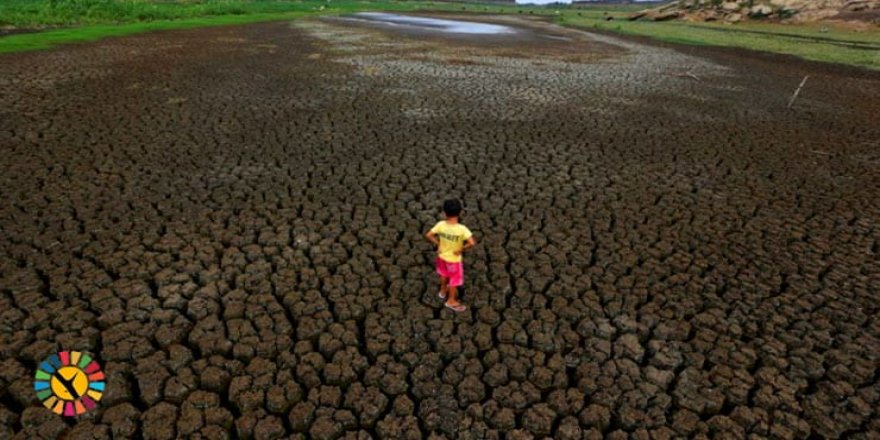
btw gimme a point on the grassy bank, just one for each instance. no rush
(818, 42)
(66, 13)
(87, 20)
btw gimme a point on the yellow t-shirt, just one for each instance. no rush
(452, 238)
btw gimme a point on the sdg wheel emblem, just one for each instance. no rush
(69, 383)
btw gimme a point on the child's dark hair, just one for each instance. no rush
(452, 208)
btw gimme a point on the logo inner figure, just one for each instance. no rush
(69, 383)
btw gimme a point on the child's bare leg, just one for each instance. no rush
(451, 299)
(444, 287)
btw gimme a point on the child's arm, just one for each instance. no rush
(471, 242)
(432, 237)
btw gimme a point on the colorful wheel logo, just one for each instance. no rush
(69, 383)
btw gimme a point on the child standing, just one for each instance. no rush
(452, 239)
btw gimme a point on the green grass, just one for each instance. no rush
(88, 20)
(54, 13)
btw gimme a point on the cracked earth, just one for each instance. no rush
(231, 220)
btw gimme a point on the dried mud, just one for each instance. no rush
(231, 218)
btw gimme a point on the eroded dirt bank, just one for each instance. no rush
(231, 220)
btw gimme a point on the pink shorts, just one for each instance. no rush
(453, 271)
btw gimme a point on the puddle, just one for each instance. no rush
(433, 24)
(556, 37)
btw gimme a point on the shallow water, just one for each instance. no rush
(434, 24)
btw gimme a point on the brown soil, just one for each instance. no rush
(231, 218)
(871, 16)
(12, 31)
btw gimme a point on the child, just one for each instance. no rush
(452, 239)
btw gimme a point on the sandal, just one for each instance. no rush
(456, 307)
(441, 295)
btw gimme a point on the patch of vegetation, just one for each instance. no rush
(56, 13)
